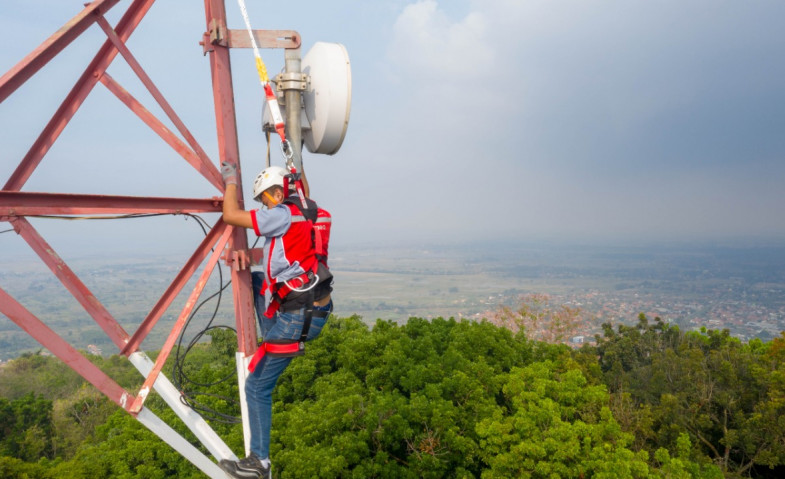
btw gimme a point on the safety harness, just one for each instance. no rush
(292, 292)
(300, 292)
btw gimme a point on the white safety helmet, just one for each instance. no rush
(270, 176)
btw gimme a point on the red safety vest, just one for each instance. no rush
(305, 242)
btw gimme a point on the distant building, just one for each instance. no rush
(577, 340)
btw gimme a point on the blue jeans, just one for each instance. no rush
(260, 384)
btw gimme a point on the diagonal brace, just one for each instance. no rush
(52, 46)
(167, 108)
(84, 85)
(181, 320)
(207, 169)
(60, 348)
(172, 291)
(71, 281)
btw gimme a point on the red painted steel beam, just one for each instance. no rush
(223, 97)
(22, 71)
(174, 289)
(181, 320)
(202, 165)
(264, 39)
(256, 256)
(51, 341)
(21, 203)
(214, 176)
(136, 11)
(72, 283)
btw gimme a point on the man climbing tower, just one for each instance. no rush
(292, 296)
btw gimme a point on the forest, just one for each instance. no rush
(440, 398)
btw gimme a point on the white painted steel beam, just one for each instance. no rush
(190, 418)
(178, 442)
(242, 374)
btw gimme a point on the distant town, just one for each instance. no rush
(741, 289)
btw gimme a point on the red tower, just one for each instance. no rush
(17, 204)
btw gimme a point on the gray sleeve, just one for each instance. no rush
(272, 222)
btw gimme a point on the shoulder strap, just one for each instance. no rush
(310, 213)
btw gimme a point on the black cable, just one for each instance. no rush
(184, 383)
(113, 217)
(200, 221)
(180, 379)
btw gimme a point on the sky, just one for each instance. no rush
(470, 120)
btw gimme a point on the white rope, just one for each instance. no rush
(263, 77)
(272, 101)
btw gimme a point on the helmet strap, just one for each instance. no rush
(270, 197)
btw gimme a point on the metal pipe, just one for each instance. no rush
(179, 443)
(293, 100)
(190, 418)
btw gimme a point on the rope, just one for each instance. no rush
(272, 101)
(259, 63)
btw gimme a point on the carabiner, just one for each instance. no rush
(286, 149)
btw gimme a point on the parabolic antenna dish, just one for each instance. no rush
(328, 98)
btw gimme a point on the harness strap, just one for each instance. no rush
(307, 316)
(318, 244)
(290, 348)
(280, 290)
(275, 303)
(298, 186)
(284, 349)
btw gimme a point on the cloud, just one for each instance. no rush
(427, 42)
(593, 117)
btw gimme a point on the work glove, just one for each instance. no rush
(229, 173)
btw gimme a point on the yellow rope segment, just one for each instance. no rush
(262, 70)
(259, 63)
